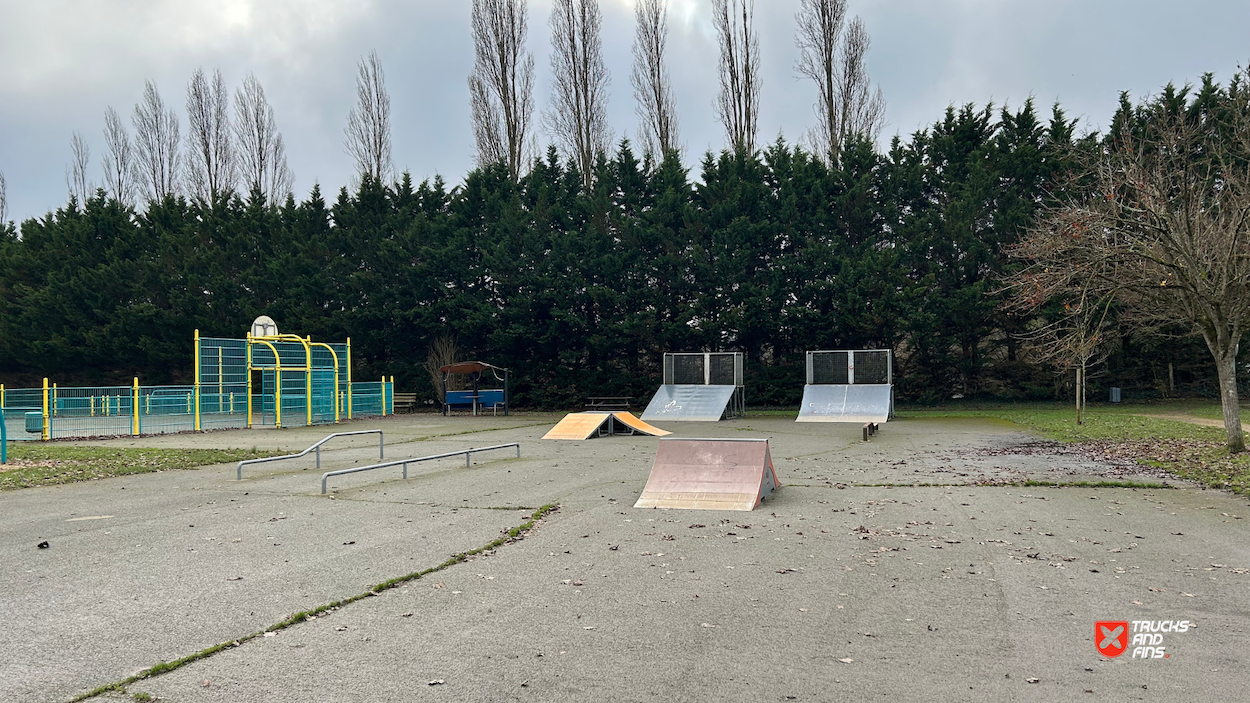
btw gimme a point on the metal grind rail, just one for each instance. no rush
(405, 462)
(315, 448)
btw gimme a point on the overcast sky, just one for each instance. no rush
(62, 62)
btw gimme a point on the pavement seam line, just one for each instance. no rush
(996, 484)
(165, 667)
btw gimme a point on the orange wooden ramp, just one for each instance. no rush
(710, 474)
(580, 426)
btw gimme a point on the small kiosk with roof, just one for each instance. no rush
(476, 397)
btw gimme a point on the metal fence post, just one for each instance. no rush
(198, 379)
(349, 378)
(47, 419)
(381, 445)
(135, 409)
(318, 457)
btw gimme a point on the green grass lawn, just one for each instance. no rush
(36, 464)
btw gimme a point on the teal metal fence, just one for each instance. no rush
(373, 398)
(109, 411)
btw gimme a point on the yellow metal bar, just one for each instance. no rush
(197, 381)
(335, 356)
(248, 348)
(53, 400)
(349, 378)
(135, 408)
(383, 396)
(2, 405)
(277, 361)
(47, 419)
(307, 379)
(91, 400)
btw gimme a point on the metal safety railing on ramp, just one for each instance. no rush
(405, 462)
(315, 448)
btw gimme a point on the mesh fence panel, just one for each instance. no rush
(91, 412)
(830, 367)
(872, 367)
(23, 399)
(688, 369)
(366, 399)
(18, 402)
(723, 370)
(294, 398)
(166, 409)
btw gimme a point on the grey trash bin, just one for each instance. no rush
(1115, 395)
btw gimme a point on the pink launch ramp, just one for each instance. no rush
(710, 474)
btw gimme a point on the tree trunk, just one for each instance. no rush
(1226, 365)
(1080, 385)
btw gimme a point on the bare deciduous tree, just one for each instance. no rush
(262, 155)
(501, 86)
(1077, 338)
(579, 96)
(4, 202)
(863, 110)
(119, 159)
(210, 153)
(738, 104)
(368, 131)
(156, 145)
(80, 189)
(1164, 226)
(652, 87)
(845, 103)
(443, 352)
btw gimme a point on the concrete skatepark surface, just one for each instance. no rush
(833, 589)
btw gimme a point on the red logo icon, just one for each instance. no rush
(1111, 637)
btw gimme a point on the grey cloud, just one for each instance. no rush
(62, 63)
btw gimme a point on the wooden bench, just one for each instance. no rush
(404, 402)
(608, 402)
(465, 400)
